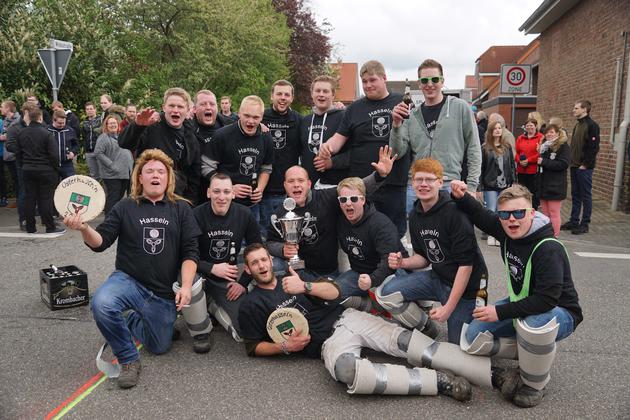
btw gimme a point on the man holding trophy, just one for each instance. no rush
(313, 237)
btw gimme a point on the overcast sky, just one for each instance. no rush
(402, 33)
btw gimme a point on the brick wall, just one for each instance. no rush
(577, 61)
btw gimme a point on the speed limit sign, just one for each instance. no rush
(516, 78)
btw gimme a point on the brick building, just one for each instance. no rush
(583, 46)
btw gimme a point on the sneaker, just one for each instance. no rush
(568, 226)
(580, 230)
(12, 205)
(23, 225)
(4, 202)
(57, 229)
(453, 386)
(129, 374)
(202, 343)
(527, 397)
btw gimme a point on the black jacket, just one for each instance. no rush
(551, 283)
(586, 138)
(181, 145)
(36, 149)
(67, 141)
(553, 173)
(490, 169)
(90, 130)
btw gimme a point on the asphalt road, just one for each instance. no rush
(46, 356)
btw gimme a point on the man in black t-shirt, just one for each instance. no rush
(366, 125)
(244, 153)
(224, 226)
(284, 128)
(338, 338)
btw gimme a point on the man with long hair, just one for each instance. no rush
(157, 241)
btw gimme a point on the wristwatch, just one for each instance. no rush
(308, 287)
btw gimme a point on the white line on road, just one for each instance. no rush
(603, 255)
(30, 235)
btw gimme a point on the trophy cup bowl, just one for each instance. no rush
(290, 227)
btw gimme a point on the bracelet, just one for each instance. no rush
(283, 347)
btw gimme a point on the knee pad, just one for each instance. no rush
(345, 368)
(196, 314)
(484, 344)
(424, 351)
(378, 378)
(536, 352)
(407, 313)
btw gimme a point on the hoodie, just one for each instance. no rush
(67, 141)
(551, 283)
(454, 137)
(315, 130)
(368, 243)
(446, 238)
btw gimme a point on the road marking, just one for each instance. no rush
(603, 255)
(30, 235)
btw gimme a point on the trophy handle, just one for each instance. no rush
(274, 223)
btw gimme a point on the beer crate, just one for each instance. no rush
(65, 288)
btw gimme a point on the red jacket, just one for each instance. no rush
(528, 147)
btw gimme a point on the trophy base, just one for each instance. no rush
(296, 263)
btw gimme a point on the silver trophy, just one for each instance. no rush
(291, 229)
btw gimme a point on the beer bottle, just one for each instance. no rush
(232, 257)
(254, 181)
(482, 294)
(407, 97)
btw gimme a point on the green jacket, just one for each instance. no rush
(455, 137)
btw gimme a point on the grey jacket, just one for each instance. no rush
(455, 136)
(114, 162)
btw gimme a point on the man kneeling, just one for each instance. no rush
(542, 306)
(339, 337)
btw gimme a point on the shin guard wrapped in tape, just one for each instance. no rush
(486, 345)
(424, 351)
(378, 378)
(536, 352)
(224, 319)
(407, 313)
(196, 314)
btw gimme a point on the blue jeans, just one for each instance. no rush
(270, 204)
(391, 200)
(281, 266)
(348, 282)
(581, 197)
(505, 327)
(150, 319)
(426, 285)
(490, 197)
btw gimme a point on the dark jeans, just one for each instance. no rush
(39, 187)
(581, 197)
(115, 189)
(21, 195)
(66, 170)
(531, 182)
(391, 200)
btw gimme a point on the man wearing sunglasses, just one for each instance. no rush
(367, 236)
(542, 306)
(443, 128)
(442, 236)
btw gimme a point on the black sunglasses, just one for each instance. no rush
(435, 80)
(352, 198)
(518, 214)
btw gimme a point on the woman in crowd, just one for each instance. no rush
(527, 158)
(555, 155)
(498, 169)
(540, 121)
(115, 163)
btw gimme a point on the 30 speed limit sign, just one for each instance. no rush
(516, 78)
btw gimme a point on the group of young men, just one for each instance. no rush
(346, 174)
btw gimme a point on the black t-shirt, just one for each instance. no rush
(431, 113)
(318, 246)
(367, 124)
(219, 233)
(240, 155)
(153, 241)
(285, 133)
(260, 303)
(314, 131)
